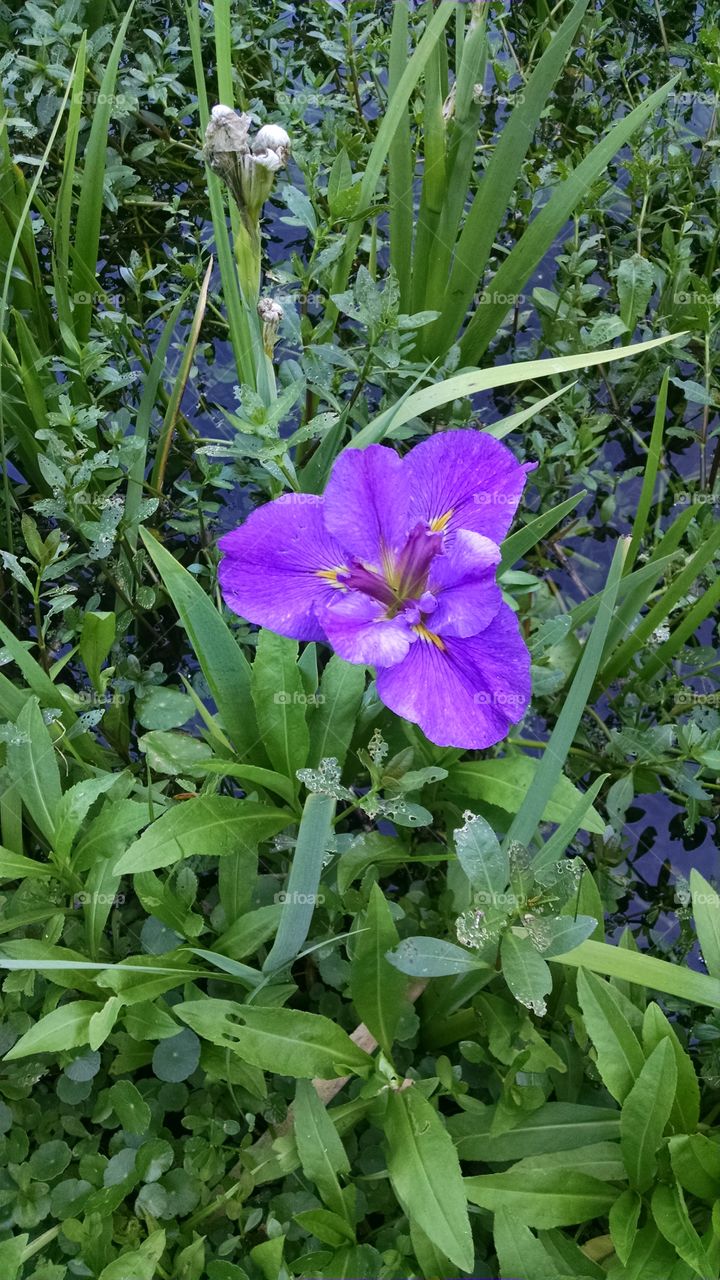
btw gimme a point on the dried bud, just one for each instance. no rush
(248, 173)
(273, 138)
(271, 314)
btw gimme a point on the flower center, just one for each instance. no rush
(404, 575)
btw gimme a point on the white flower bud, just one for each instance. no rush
(272, 137)
(271, 314)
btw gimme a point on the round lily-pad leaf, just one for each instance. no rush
(176, 1059)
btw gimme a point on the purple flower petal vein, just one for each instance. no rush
(395, 566)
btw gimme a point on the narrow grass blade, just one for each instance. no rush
(647, 971)
(491, 202)
(224, 665)
(503, 428)
(515, 271)
(555, 754)
(469, 384)
(515, 547)
(316, 829)
(400, 162)
(173, 408)
(90, 200)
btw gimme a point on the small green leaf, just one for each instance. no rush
(130, 1107)
(425, 1174)
(280, 703)
(620, 1058)
(525, 971)
(65, 1028)
(645, 1113)
(671, 1215)
(505, 782)
(485, 864)
(432, 958)
(208, 826)
(378, 988)
(624, 1217)
(706, 910)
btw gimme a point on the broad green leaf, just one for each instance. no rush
(425, 1174)
(556, 1126)
(432, 958)
(322, 1154)
(706, 910)
(280, 703)
(671, 1216)
(75, 805)
(624, 1218)
(601, 1159)
(485, 864)
(519, 1252)
(505, 782)
(65, 1028)
(651, 1256)
(332, 720)
(301, 893)
(139, 1264)
(635, 283)
(378, 988)
(525, 971)
(207, 826)
(14, 866)
(12, 1256)
(102, 1022)
(563, 933)
(327, 1226)
(96, 640)
(658, 975)
(685, 1112)
(130, 1107)
(542, 1198)
(287, 1041)
(620, 1058)
(33, 768)
(695, 1159)
(645, 1113)
(223, 663)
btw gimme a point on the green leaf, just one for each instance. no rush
(14, 866)
(695, 1161)
(91, 195)
(175, 1059)
(529, 250)
(651, 1256)
(280, 703)
(620, 1058)
(685, 1112)
(425, 1174)
(65, 1028)
(207, 826)
(287, 1041)
(130, 1107)
(223, 663)
(332, 720)
(12, 1256)
(645, 1113)
(485, 864)
(556, 1126)
(525, 971)
(659, 975)
(432, 958)
(139, 1264)
(328, 1227)
(33, 768)
(635, 283)
(519, 1252)
(671, 1215)
(322, 1154)
(378, 988)
(163, 708)
(706, 910)
(563, 933)
(624, 1217)
(301, 894)
(505, 783)
(542, 1197)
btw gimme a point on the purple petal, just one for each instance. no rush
(366, 503)
(356, 626)
(465, 480)
(466, 693)
(463, 583)
(271, 566)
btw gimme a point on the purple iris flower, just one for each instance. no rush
(394, 566)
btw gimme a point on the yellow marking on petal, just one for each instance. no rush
(437, 525)
(331, 576)
(424, 634)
